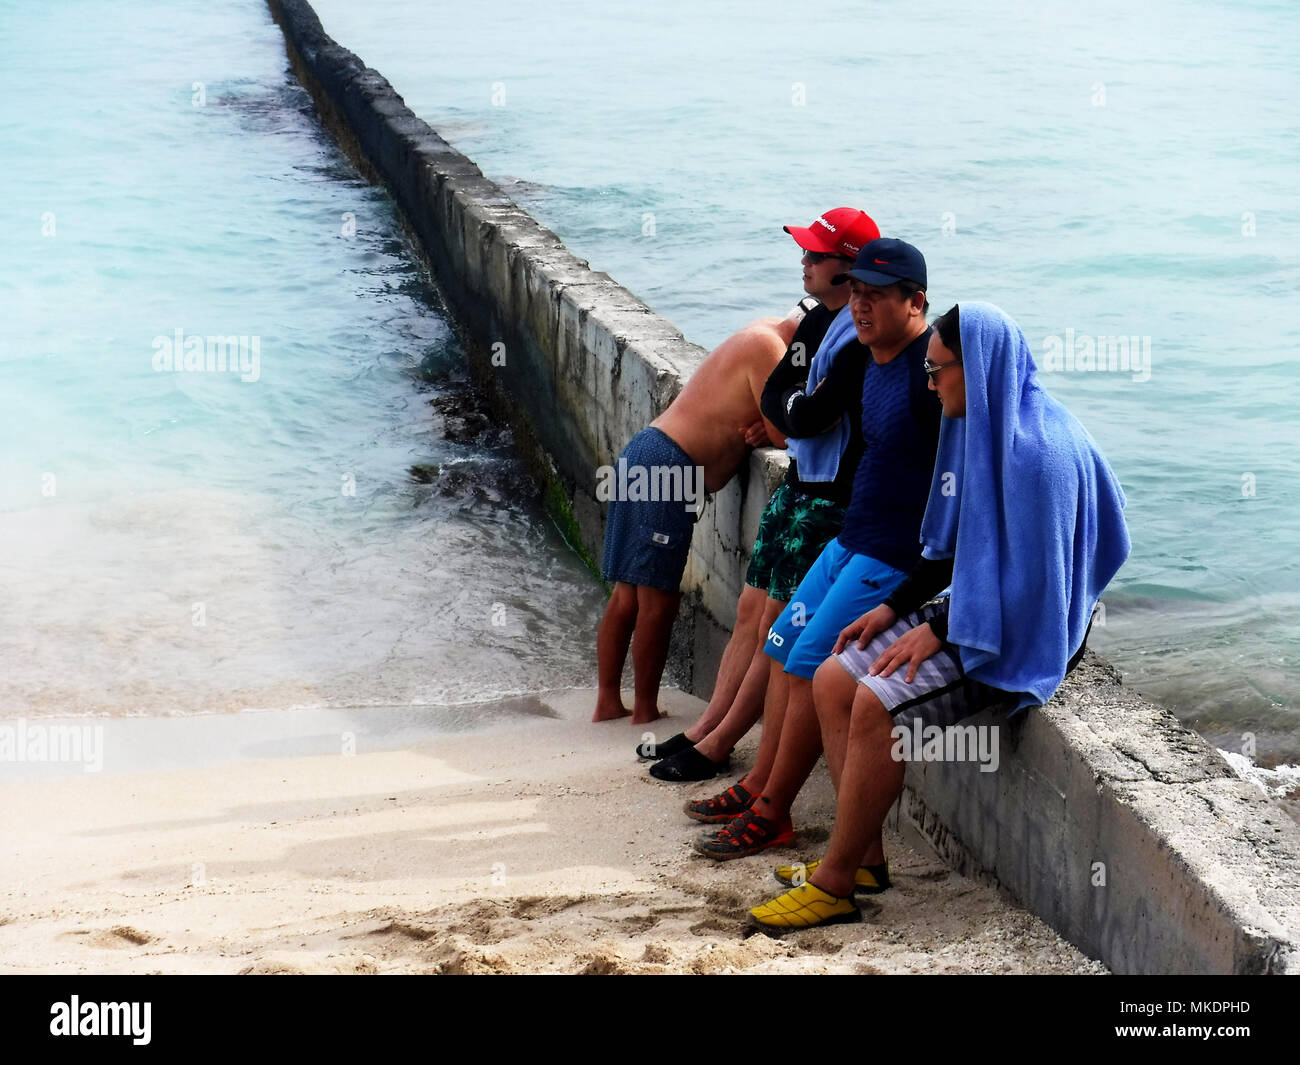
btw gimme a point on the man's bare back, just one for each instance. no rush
(721, 399)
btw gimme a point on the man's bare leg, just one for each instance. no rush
(748, 704)
(612, 640)
(736, 658)
(797, 752)
(870, 782)
(833, 692)
(656, 611)
(778, 689)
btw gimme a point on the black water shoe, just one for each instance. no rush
(688, 766)
(673, 745)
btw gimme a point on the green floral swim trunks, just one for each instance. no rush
(792, 532)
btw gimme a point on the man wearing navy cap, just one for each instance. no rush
(878, 544)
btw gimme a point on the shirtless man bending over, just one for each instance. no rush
(698, 443)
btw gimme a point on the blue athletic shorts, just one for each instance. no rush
(647, 541)
(841, 586)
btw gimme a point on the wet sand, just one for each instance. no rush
(539, 845)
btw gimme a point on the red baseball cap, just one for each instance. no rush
(840, 231)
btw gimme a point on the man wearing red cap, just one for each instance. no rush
(805, 512)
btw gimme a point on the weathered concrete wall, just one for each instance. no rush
(1107, 818)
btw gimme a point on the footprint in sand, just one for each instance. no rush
(530, 907)
(115, 938)
(639, 923)
(714, 924)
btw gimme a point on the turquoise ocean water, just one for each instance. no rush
(195, 541)
(200, 541)
(1100, 171)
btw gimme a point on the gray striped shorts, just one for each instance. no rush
(940, 693)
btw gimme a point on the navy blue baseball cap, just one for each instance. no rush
(885, 261)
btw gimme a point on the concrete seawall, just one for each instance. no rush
(1107, 818)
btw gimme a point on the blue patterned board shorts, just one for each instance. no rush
(647, 541)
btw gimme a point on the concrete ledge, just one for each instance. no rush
(1125, 831)
(1106, 817)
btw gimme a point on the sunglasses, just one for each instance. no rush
(815, 257)
(932, 368)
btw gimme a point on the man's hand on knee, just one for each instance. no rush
(866, 628)
(912, 648)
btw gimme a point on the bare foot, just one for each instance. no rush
(609, 709)
(642, 718)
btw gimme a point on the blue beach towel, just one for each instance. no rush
(1032, 517)
(819, 456)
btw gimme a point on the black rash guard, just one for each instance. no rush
(798, 414)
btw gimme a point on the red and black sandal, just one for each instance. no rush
(721, 808)
(746, 834)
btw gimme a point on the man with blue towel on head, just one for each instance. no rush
(1024, 529)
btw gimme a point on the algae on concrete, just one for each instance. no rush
(559, 510)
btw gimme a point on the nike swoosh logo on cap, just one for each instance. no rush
(882, 262)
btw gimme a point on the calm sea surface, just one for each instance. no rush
(202, 541)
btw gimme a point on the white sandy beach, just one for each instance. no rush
(534, 847)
